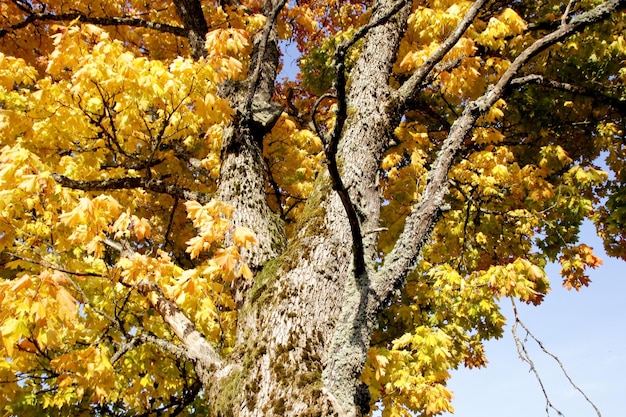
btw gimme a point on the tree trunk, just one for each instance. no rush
(297, 356)
(305, 325)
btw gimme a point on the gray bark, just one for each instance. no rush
(305, 325)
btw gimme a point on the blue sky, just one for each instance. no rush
(586, 330)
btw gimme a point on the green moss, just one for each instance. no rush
(311, 220)
(239, 387)
(279, 406)
(264, 279)
(307, 378)
(228, 391)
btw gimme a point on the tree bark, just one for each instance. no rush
(305, 325)
(302, 306)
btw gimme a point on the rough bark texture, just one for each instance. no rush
(190, 12)
(242, 179)
(305, 325)
(368, 133)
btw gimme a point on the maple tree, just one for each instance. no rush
(183, 231)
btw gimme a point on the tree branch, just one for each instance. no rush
(422, 219)
(412, 85)
(101, 21)
(152, 184)
(53, 267)
(615, 102)
(196, 28)
(195, 347)
(332, 143)
(260, 56)
(525, 356)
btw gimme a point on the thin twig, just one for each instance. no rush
(525, 356)
(521, 348)
(316, 125)
(558, 361)
(55, 268)
(568, 9)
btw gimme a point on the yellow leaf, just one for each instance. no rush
(245, 272)
(195, 245)
(23, 283)
(244, 237)
(226, 258)
(67, 304)
(12, 331)
(141, 228)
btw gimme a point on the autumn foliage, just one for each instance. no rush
(112, 134)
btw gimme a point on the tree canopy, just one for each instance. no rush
(166, 198)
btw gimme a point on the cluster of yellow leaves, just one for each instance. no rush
(496, 35)
(470, 73)
(446, 315)
(294, 156)
(231, 46)
(89, 219)
(421, 40)
(28, 42)
(96, 112)
(40, 318)
(48, 313)
(212, 223)
(299, 19)
(412, 374)
(574, 261)
(99, 79)
(500, 209)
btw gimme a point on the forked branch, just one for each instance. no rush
(260, 56)
(196, 348)
(525, 356)
(331, 142)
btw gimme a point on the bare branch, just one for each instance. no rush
(163, 344)
(521, 348)
(525, 356)
(196, 348)
(318, 129)
(124, 347)
(568, 9)
(343, 48)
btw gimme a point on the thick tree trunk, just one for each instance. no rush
(287, 323)
(298, 356)
(305, 325)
